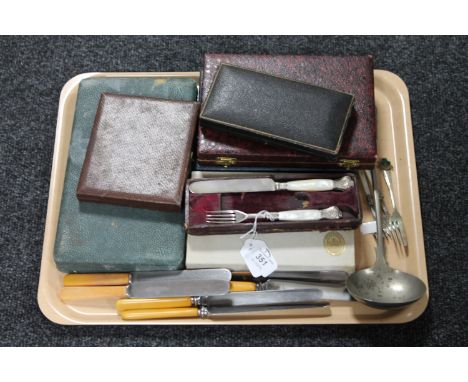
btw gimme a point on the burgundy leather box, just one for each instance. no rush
(198, 205)
(349, 74)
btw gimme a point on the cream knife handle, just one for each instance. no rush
(152, 314)
(78, 293)
(96, 279)
(308, 185)
(153, 303)
(308, 215)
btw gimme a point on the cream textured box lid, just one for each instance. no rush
(294, 251)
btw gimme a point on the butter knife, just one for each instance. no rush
(267, 184)
(197, 282)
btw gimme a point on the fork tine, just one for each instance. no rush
(386, 228)
(398, 243)
(399, 235)
(401, 229)
(220, 215)
(221, 212)
(227, 219)
(386, 233)
(220, 221)
(391, 233)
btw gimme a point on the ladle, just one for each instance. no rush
(381, 286)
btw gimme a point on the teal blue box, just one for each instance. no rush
(95, 237)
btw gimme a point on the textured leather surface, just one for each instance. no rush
(277, 110)
(139, 152)
(351, 74)
(107, 238)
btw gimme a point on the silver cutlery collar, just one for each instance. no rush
(344, 183)
(331, 213)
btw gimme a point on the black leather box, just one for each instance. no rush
(277, 110)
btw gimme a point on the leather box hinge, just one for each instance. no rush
(225, 161)
(349, 163)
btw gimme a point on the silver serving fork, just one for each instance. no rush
(236, 216)
(366, 181)
(395, 219)
(390, 231)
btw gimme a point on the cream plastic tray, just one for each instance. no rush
(395, 141)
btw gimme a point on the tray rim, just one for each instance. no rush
(48, 310)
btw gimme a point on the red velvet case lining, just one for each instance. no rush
(197, 205)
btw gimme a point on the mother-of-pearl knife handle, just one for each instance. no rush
(307, 215)
(316, 184)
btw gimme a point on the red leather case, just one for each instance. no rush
(349, 74)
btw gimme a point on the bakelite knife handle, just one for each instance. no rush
(151, 314)
(176, 302)
(153, 303)
(310, 185)
(70, 294)
(96, 279)
(242, 286)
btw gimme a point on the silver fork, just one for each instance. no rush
(395, 219)
(367, 185)
(236, 216)
(390, 231)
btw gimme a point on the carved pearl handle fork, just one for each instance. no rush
(236, 216)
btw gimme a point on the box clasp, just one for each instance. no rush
(348, 163)
(225, 161)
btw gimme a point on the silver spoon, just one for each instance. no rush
(381, 286)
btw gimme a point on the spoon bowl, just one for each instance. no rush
(386, 289)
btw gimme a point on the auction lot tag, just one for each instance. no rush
(258, 258)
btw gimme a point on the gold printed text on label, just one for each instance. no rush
(334, 243)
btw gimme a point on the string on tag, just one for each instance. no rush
(253, 231)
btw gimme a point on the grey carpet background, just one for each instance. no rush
(32, 73)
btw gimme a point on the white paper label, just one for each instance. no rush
(258, 258)
(368, 228)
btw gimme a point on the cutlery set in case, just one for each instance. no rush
(322, 202)
(310, 220)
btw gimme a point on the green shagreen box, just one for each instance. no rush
(107, 238)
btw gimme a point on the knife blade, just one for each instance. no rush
(148, 284)
(325, 276)
(284, 297)
(267, 184)
(329, 292)
(235, 303)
